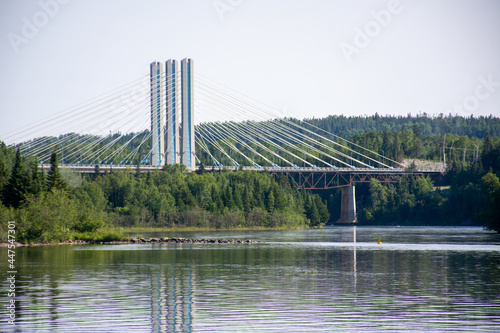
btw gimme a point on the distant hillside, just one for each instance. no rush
(470, 126)
(394, 137)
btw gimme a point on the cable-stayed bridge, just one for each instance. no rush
(173, 116)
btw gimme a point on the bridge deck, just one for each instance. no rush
(146, 168)
(307, 178)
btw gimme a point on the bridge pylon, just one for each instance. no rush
(187, 138)
(167, 102)
(157, 114)
(348, 205)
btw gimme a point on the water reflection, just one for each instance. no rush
(355, 270)
(327, 280)
(172, 299)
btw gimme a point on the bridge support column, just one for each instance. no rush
(157, 115)
(187, 138)
(348, 206)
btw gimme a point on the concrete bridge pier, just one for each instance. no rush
(347, 206)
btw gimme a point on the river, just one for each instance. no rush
(336, 279)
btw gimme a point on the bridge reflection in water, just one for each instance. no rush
(172, 296)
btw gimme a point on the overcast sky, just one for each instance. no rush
(308, 58)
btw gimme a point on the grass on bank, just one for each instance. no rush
(187, 229)
(104, 235)
(111, 234)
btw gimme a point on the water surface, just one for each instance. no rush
(334, 279)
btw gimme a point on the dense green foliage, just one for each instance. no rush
(424, 124)
(446, 148)
(469, 147)
(53, 211)
(406, 202)
(176, 198)
(471, 194)
(419, 202)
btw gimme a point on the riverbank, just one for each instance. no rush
(134, 236)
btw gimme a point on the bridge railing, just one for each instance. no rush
(122, 167)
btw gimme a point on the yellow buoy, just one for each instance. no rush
(379, 240)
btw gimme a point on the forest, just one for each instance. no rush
(49, 207)
(426, 124)
(57, 204)
(468, 194)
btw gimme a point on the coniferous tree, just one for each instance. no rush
(416, 131)
(312, 211)
(228, 197)
(491, 185)
(54, 178)
(386, 144)
(238, 201)
(279, 198)
(247, 205)
(14, 192)
(257, 191)
(201, 171)
(3, 175)
(270, 201)
(137, 170)
(488, 157)
(37, 180)
(323, 213)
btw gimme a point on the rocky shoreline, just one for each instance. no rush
(188, 241)
(135, 240)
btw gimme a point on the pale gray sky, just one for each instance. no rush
(310, 58)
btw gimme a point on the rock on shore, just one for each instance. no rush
(135, 240)
(188, 240)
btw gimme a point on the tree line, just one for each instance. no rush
(444, 138)
(438, 138)
(469, 192)
(426, 124)
(418, 202)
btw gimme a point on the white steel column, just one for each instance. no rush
(187, 138)
(173, 100)
(157, 115)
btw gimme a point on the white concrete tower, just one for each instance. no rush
(187, 138)
(157, 114)
(173, 111)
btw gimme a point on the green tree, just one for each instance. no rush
(312, 211)
(47, 217)
(14, 192)
(270, 201)
(416, 131)
(257, 193)
(238, 200)
(54, 178)
(201, 170)
(491, 185)
(119, 188)
(3, 175)
(247, 204)
(386, 142)
(378, 195)
(37, 180)
(279, 198)
(323, 213)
